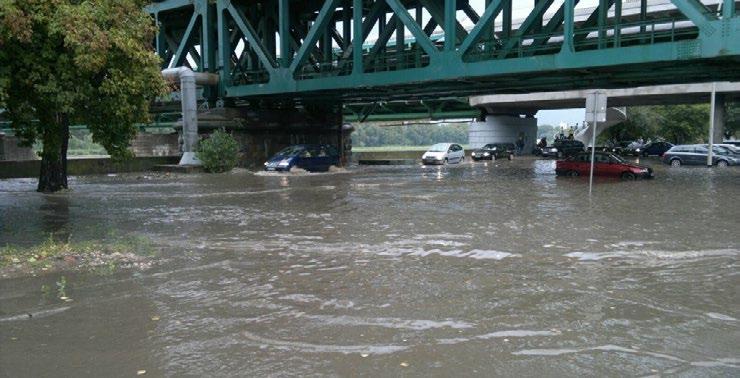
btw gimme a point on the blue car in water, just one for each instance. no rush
(311, 157)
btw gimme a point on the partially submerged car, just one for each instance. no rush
(697, 154)
(311, 157)
(605, 164)
(444, 153)
(493, 151)
(653, 149)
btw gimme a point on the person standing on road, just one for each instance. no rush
(520, 145)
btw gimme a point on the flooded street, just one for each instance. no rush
(472, 270)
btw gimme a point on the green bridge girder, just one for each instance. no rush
(320, 49)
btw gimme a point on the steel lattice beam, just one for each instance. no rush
(329, 48)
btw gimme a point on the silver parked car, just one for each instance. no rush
(443, 153)
(696, 154)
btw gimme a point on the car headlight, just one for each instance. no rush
(553, 150)
(284, 163)
(637, 150)
(486, 154)
(494, 149)
(266, 164)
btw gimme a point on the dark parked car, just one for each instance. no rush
(696, 154)
(605, 164)
(311, 157)
(563, 148)
(653, 149)
(493, 151)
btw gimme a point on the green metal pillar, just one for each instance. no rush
(506, 27)
(603, 11)
(617, 23)
(728, 9)
(450, 24)
(284, 32)
(346, 23)
(161, 43)
(568, 27)
(643, 15)
(537, 25)
(400, 45)
(419, 20)
(356, 37)
(224, 53)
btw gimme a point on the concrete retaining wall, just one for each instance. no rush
(146, 144)
(86, 166)
(9, 150)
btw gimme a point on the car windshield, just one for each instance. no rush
(617, 159)
(290, 151)
(721, 150)
(439, 147)
(489, 146)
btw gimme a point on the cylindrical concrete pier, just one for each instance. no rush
(503, 129)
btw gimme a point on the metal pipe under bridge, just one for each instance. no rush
(346, 50)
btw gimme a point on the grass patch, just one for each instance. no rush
(48, 251)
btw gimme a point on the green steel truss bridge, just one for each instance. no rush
(364, 50)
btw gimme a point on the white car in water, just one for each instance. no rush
(444, 153)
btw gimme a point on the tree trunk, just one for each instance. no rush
(53, 175)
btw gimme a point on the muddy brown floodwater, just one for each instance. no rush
(471, 270)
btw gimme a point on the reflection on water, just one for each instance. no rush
(495, 268)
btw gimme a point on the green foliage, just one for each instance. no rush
(371, 135)
(732, 119)
(218, 152)
(77, 62)
(547, 131)
(675, 123)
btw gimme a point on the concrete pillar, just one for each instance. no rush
(503, 129)
(719, 118)
(261, 132)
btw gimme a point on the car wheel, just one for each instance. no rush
(573, 173)
(675, 163)
(493, 157)
(445, 163)
(511, 156)
(462, 159)
(560, 155)
(722, 164)
(644, 154)
(628, 176)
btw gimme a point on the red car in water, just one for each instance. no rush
(605, 164)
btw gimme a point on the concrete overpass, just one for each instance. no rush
(507, 114)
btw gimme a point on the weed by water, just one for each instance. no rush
(42, 254)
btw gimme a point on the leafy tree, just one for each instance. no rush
(371, 135)
(68, 62)
(732, 119)
(675, 123)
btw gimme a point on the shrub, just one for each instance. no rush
(218, 152)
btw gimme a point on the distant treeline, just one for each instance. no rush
(371, 135)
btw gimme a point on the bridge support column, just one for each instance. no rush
(719, 118)
(504, 129)
(262, 132)
(716, 122)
